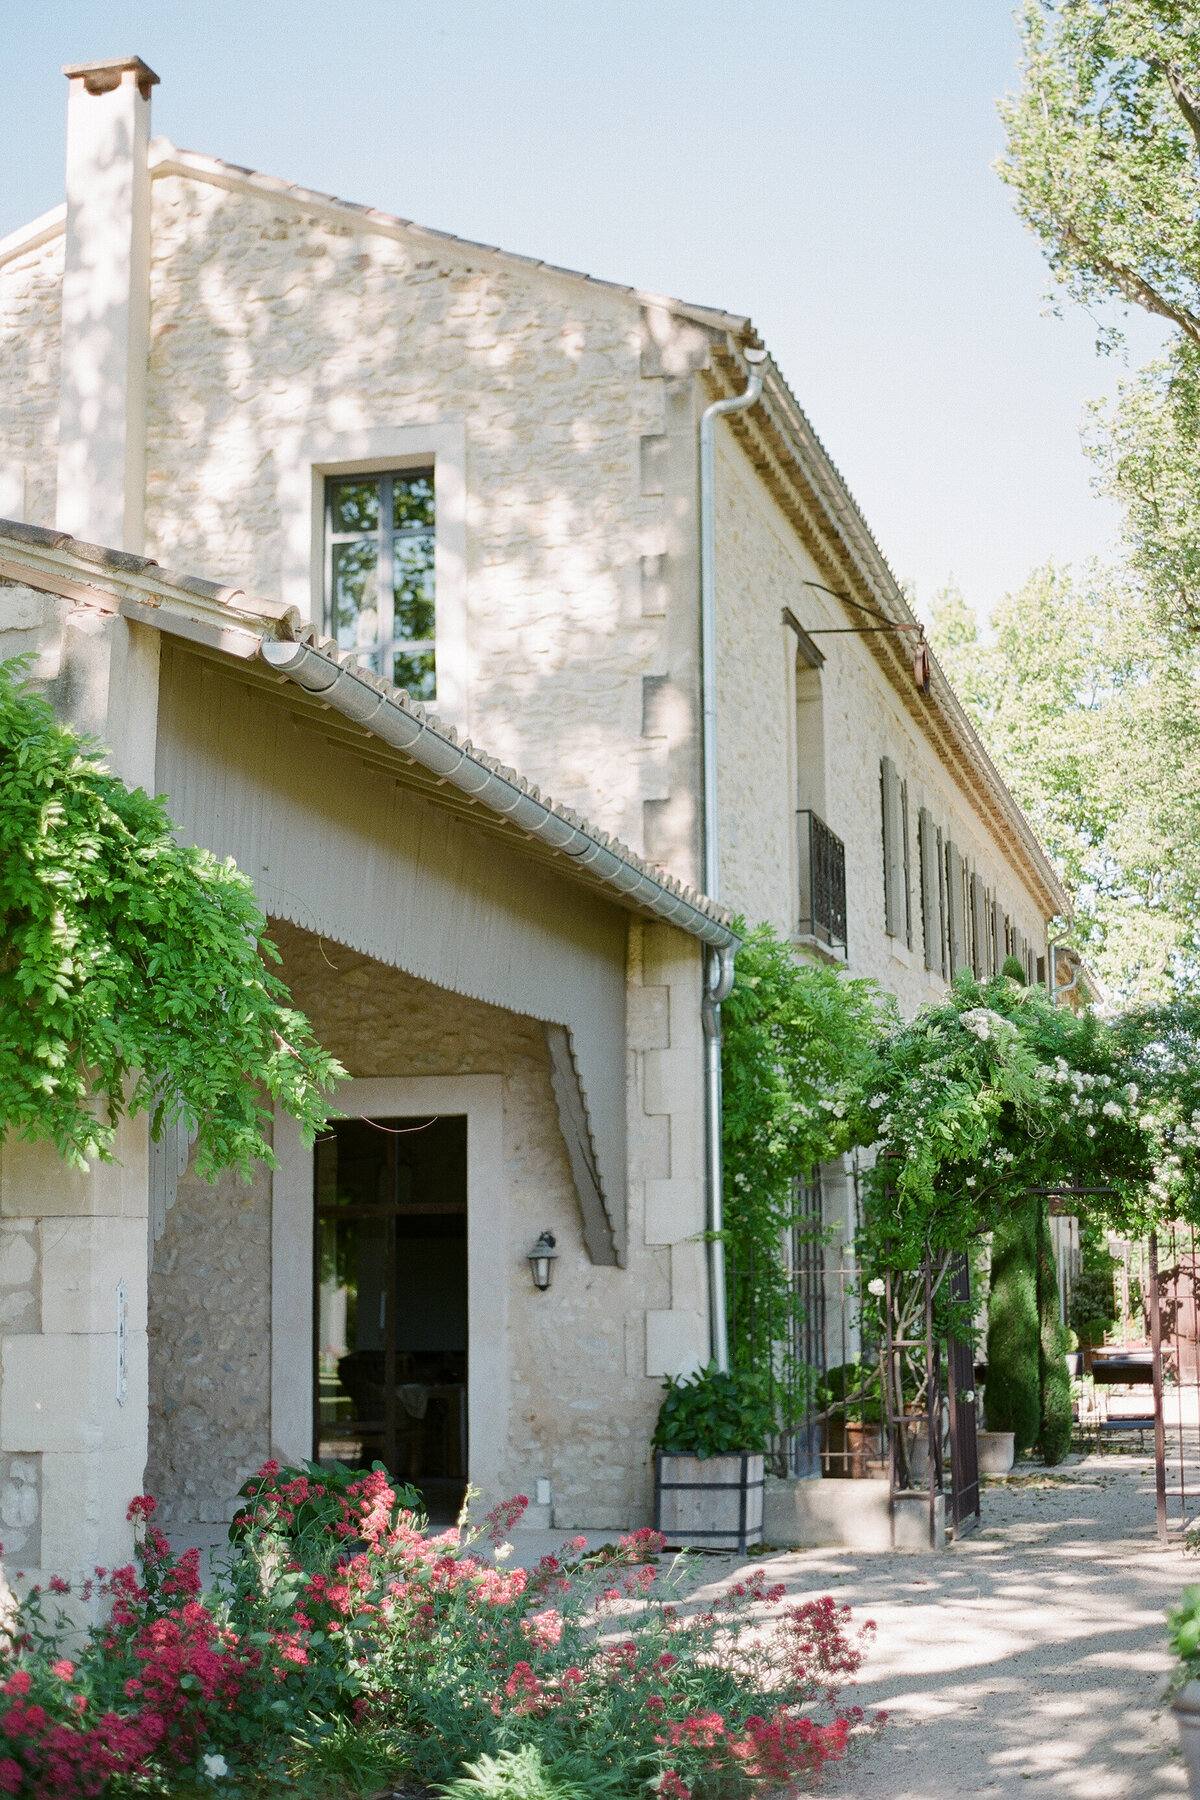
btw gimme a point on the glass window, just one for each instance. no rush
(379, 593)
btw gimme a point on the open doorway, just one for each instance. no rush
(391, 1301)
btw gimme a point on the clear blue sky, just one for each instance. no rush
(823, 167)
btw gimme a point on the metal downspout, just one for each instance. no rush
(719, 971)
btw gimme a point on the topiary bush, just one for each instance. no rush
(1012, 1395)
(1057, 1417)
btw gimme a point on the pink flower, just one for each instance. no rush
(544, 1629)
(11, 1776)
(63, 1669)
(522, 1681)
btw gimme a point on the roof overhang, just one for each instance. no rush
(791, 459)
(270, 643)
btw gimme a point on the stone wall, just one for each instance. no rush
(763, 567)
(271, 321)
(586, 1357)
(72, 1386)
(210, 1346)
(275, 318)
(30, 313)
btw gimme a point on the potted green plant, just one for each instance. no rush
(1183, 1635)
(712, 1435)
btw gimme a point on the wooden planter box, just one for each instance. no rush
(710, 1502)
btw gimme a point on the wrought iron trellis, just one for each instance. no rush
(931, 1417)
(822, 1321)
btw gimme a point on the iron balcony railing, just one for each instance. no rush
(822, 882)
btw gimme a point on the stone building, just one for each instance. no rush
(479, 479)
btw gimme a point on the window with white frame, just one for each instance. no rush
(379, 588)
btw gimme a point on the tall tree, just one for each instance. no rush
(1087, 703)
(1103, 156)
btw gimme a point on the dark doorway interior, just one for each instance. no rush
(391, 1302)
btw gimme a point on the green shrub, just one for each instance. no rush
(1183, 1635)
(1092, 1309)
(851, 1390)
(134, 976)
(1012, 1396)
(715, 1414)
(312, 1499)
(363, 1652)
(520, 1775)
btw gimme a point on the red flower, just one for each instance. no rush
(11, 1776)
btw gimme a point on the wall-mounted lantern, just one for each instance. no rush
(541, 1259)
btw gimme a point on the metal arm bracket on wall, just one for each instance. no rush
(599, 1235)
(922, 668)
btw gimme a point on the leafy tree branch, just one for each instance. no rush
(132, 971)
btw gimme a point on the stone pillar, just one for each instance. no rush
(106, 304)
(73, 1382)
(667, 1039)
(102, 401)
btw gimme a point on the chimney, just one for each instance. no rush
(106, 304)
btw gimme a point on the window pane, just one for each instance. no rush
(354, 606)
(413, 578)
(416, 673)
(412, 501)
(354, 505)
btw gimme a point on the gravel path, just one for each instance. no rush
(1027, 1660)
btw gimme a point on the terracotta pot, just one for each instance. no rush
(1186, 1707)
(849, 1449)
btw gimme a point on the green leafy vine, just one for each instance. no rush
(132, 972)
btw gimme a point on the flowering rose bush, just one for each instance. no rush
(366, 1649)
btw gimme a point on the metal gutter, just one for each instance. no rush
(378, 709)
(719, 974)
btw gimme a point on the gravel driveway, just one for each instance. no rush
(1027, 1660)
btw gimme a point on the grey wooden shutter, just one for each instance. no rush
(930, 910)
(979, 925)
(999, 937)
(943, 908)
(893, 848)
(908, 886)
(955, 909)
